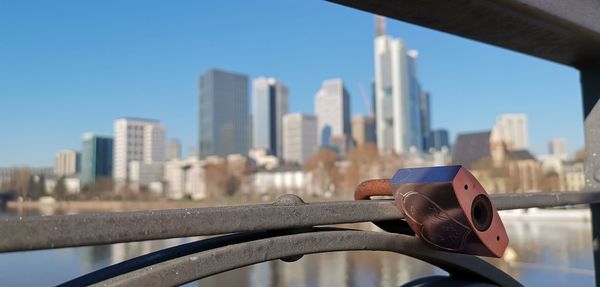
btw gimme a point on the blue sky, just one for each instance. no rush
(69, 67)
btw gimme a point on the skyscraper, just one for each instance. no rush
(223, 113)
(425, 113)
(512, 130)
(96, 158)
(438, 139)
(332, 108)
(269, 104)
(363, 129)
(137, 140)
(398, 95)
(299, 137)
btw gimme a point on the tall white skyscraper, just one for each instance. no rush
(299, 137)
(512, 130)
(397, 94)
(66, 162)
(332, 108)
(269, 104)
(141, 141)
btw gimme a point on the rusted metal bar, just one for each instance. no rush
(43, 232)
(566, 32)
(199, 265)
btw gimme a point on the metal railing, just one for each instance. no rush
(566, 32)
(285, 229)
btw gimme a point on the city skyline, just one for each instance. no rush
(61, 106)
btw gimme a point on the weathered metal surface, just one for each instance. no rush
(178, 251)
(203, 264)
(590, 84)
(566, 32)
(43, 232)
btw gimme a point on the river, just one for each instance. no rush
(543, 252)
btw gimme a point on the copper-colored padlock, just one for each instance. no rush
(446, 207)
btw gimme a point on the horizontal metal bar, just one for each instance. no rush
(43, 232)
(180, 251)
(566, 32)
(203, 264)
(507, 201)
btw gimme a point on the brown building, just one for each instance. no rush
(497, 168)
(363, 129)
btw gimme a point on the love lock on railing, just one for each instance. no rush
(445, 206)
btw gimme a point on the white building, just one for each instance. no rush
(263, 159)
(173, 149)
(66, 163)
(269, 104)
(144, 173)
(141, 141)
(558, 147)
(573, 176)
(512, 129)
(332, 108)
(185, 177)
(397, 95)
(299, 137)
(280, 181)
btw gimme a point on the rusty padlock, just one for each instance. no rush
(445, 206)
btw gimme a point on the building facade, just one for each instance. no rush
(512, 130)
(139, 140)
(425, 115)
(558, 147)
(96, 158)
(66, 163)
(223, 113)
(438, 139)
(397, 95)
(332, 108)
(185, 177)
(363, 129)
(299, 137)
(269, 104)
(173, 149)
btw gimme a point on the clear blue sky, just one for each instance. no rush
(69, 67)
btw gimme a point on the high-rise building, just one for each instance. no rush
(173, 149)
(137, 140)
(96, 158)
(363, 129)
(299, 137)
(398, 95)
(558, 147)
(269, 104)
(66, 163)
(439, 139)
(223, 113)
(512, 130)
(425, 113)
(332, 108)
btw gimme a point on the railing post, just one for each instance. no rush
(590, 84)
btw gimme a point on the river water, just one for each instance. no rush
(543, 252)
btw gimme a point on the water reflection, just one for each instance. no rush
(542, 253)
